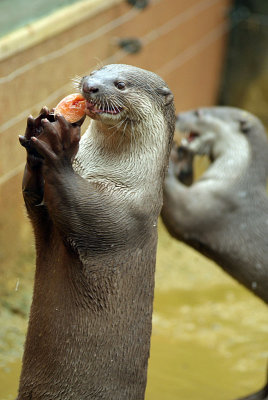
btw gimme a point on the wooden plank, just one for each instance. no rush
(194, 82)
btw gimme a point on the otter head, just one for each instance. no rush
(121, 96)
(209, 130)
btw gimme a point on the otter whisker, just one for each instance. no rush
(76, 81)
(113, 134)
(99, 64)
(105, 103)
(113, 107)
(117, 103)
(133, 136)
(118, 125)
(117, 107)
(123, 133)
(116, 128)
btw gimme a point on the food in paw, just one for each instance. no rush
(72, 107)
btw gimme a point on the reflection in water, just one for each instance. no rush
(209, 334)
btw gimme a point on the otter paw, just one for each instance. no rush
(181, 164)
(59, 141)
(33, 128)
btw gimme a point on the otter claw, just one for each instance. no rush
(24, 142)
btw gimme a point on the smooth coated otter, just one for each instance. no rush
(224, 214)
(95, 224)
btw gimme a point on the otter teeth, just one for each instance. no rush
(188, 137)
(192, 136)
(98, 108)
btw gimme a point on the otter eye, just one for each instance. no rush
(120, 85)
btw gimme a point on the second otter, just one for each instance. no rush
(224, 214)
(96, 235)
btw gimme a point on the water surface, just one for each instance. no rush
(209, 337)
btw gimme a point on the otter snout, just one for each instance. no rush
(90, 87)
(98, 90)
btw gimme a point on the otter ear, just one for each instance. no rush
(244, 126)
(166, 92)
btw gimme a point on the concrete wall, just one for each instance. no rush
(182, 40)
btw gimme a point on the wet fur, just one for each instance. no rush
(96, 235)
(224, 214)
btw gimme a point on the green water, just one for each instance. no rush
(209, 337)
(16, 14)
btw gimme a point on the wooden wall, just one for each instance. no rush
(182, 40)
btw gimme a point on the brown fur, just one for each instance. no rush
(224, 214)
(96, 235)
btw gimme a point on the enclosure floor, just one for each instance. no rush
(209, 334)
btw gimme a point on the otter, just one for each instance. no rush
(260, 395)
(224, 214)
(94, 205)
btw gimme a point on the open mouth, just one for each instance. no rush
(192, 136)
(189, 137)
(100, 108)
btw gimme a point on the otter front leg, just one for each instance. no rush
(182, 160)
(33, 181)
(189, 210)
(74, 204)
(174, 212)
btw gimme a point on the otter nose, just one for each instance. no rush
(88, 88)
